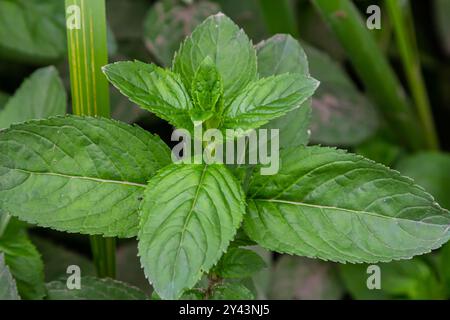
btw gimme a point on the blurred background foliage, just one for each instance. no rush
(380, 91)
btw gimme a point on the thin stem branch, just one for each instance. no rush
(406, 43)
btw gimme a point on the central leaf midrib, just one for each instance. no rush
(128, 183)
(191, 210)
(298, 203)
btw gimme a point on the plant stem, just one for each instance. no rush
(404, 30)
(104, 253)
(88, 52)
(279, 16)
(373, 68)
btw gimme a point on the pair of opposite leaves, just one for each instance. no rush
(90, 175)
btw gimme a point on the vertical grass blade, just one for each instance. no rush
(405, 36)
(279, 16)
(88, 52)
(373, 69)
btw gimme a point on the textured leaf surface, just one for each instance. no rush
(78, 174)
(277, 55)
(336, 206)
(40, 96)
(268, 98)
(153, 88)
(232, 291)
(207, 91)
(239, 263)
(341, 115)
(8, 288)
(94, 289)
(32, 30)
(189, 215)
(168, 22)
(229, 47)
(24, 261)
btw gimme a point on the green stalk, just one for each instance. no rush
(373, 69)
(406, 43)
(88, 52)
(279, 16)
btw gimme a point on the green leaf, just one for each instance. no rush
(281, 54)
(431, 170)
(8, 288)
(153, 88)
(229, 47)
(94, 289)
(329, 204)
(239, 263)
(277, 55)
(206, 91)
(57, 258)
(185, 227)
(32, 30)
(24, 261)
(232, 291)
(341, 115)
(301, 278)
(268, 98)
(78, 174)
(40, 96)
(168, 22)
(411, 279)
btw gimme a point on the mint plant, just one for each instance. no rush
(102, 177)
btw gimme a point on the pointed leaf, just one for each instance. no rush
(328, 204)
(207, 91)
(268, 98)
(168, 22)
(281, 54)
(153, 88)
(229, 47)
(78, 174)
(8, 288)
(189, 215)
(277, 55)
(40, 96)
